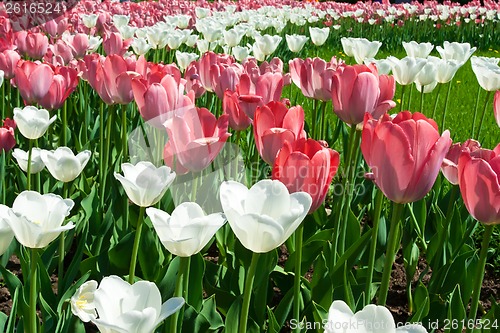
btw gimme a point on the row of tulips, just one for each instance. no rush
(204, 106)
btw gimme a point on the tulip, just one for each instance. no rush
(405, 70)
(360, 48)
(8, 62)
(7, 138)
(358, 89)
(238, 119)
(37, 219)
(445, 69)
(35, 45)
(205, 65)
(120, 20)
(455, 51)
(6, 233)
(64, 82)
(188, 230)
(2, 75)
(405, 154)
(267, 44)
(22, 157)
(241, 53)
(232, 37)
(265, 215)
(296, 42)
(195, 139)
(62, 163)
(426, 78)
(225, 78)
(496, 107)
(487, 72)
(115, 45)
(32, 122)
(117, 306)
(383, 65)
(319, 35)
(184, 59)
(274, 124)
(418, 50)
(373, 318)
(449, 168)
(89, 20)
(33, 80)
(308, 167)
(140, 46)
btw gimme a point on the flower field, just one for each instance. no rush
(249, 166)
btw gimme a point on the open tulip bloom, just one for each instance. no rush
(62, 163)
(32, 122)
(6, 234)
(117, 307)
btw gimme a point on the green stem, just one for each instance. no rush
(247, 294)
(323, 120)
(135, 249)
(484, 113)
(446, 105)
(101, 154)
(33, 321)
(422, 99)
(379, 199)
(475, 112)
(28, 170)
(397, 212)
(2, 176)
(124, 134)
(60, 263)
(437, 100)
(299, 235)
(478, 281)
(409, 98)
(402, 98)
(64, 123)
(180, 284)
(314, 118)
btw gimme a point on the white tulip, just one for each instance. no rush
(120, 20)
(267, 44)
(183, 21)
(427, 88)
(2, 75)
(116, 306)
(427, 74)
(145, 184)
(383, 65)
(360, 48)
(257, 52)
(371, 319)
(127, 31)
(184, 59)
(175, 40)
(94, 43)
(89, 20)
(191, 40)
(296, 42)
(232, 37)
(187, 230)
(36, 219)
(140, 46)
(21, 157)
(240, 53)
(455, 51)
(32, 122)
(264, 216)
(405, 70)
(418, 50)
(203, 45)
(487, 72)
(62, 163)
(445, 69)
(319, 35)
(201, 12)
(6, 233)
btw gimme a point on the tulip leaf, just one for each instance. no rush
(353, 252)
(3, 321)
(232, 323)
(217, 281)
(119, 256)
(421, 302)
(45, 284)
(321, 284)
(195, 292)
(319, 313)
(76, 260)
(272, 325)
(456, 310)
(149, 253)
(49, 316)
(167, 282)
(70, 291)
(284, 307)
(207, 320)
(13, 312)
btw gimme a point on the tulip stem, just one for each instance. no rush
(28, 168)
(181, 288)
(101, 154)
(437, 100)
(60, 263)
(488, 93)
(475, 112)
(422, 99)
(402, 98)
(299, 235)
(478, 281)
(397, 212)
(247, 294)
(124, 134)
(446, 105)
(33, 321)
(64, 117)
(379, 199)
(2, 176)
(135, 249)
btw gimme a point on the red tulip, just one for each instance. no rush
(307, 167)
(496, 107)
(358, 89)
(238, 120)
(195, 139)
(7, 139)
(404, 153)
(449, 168)
(274, 124)
(8, 62)
(479, 181)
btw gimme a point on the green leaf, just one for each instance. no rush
(3, 321)
(149, 253)
(319, 313)
(119, 256)
(196, 271)
(233, 316)
(456, 310)
(421, 302)
(272, 325)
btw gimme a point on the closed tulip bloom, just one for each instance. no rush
(188, 230)
(144, 183)
(455, 51)
(2, 75)
(205, 63)
(319, 35)
(496, 107)
(427, 75)
(360, 48)
(89, 20)
(383, 65)
(7, 138)
(232, 37)
(240, 53)
(358, 89)
(62, 163)
(6, 233)
(35, 45)
(8, 62)
(33, 80)
(259, 89)
(116, 306)
(21, 157)
(405, 70)
(140, 46)
(120, 20)
(264, 216)
(32, 122)
(274, 124)
(449, 168)
(371, 319)
(296, 42)
(418, 50)
(445, 69)
(308, 167)
(238, 119)
(487, 72)
(267, 44)
(404, 153)
(479, 181)
(37, 219)
(64, 82)
(184, 59)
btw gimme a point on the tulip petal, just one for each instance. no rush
(170, 307)
(374, 319)
(258, 233)
(268, 197)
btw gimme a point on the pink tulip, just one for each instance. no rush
(8, 62)
(238, 120)
(64, 82)
(79, 44)
(205, 67)
(449, 168)
(358, 89)
(307, 167)
(274, 124)
(61, 51)
(404, 153)
(193, 79)
(114, 44)
(7, 139)
(479, 181)
(224, 77)
(496, 107)
(33, 80)
(195, 139)
(267, 86)
(35, 45)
